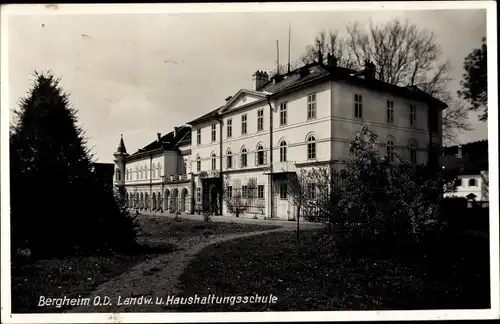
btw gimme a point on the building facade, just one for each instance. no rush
(259, 136)
(470, 161)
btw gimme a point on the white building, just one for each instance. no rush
(470, 161)
(471, 186)
(291, 121)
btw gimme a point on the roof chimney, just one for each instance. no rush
(331, 60)
(175, 132)
(303, 71)
(158, 135)
(459, 153)
(370, 70)
(260, 79)
(228, 98)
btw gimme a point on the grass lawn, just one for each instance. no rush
(306, 276)
(177, 228)
(79, 276)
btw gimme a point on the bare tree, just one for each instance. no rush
(299, 189)
(405, 56)
(329, 43)
(238, 200)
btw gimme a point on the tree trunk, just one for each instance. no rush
(298, 223)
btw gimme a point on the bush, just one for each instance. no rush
(375, 203)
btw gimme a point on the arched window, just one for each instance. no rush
(229, 159)
(283, 151)
(260, 158)
(198, 163)
(413, 151)
(154, 172)
(214, 161)
(146, 172)
(311, 147)
(472, 183)
(390, 150)
(244, 160)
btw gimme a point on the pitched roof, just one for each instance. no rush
(207, 116)
(167, 142)
(121, 146)
(316, 72)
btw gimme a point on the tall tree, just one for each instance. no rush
(475, 82)
(404, 55)
(58, 205)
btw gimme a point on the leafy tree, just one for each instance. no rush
(475, 82)
(404, 55)
(58, 204)
(370, 199)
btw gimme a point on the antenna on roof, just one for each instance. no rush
(289, 42)
(277, 57)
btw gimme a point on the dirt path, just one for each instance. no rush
(157, 277)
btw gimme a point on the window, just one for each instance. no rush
(146, 173)
(283, 151)
(214, 161)
(117, 175)
(198, 163)
(283, 116)
(214, 132)
(472, 183)
(154, 173)
(283, 191)
(358, 106)
(229, 159)
(185, 167)
(230, 191)
(311, 191)
(198, 194)
(229, 128)
(311, 106)
(260, 155)
(458, 182)
(244, 191)
(243, 124)
(390, 150)
(260, 191)
(390, 112)
(311, 147)
(413, 116)
(260, 120)
(126, 175)
(198, 136)
(413, 152)
(244, 161)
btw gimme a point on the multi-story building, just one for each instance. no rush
(290, 121)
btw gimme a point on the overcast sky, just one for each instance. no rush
(142, 74)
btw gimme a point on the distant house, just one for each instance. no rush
(105, 172)
(471, 162)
